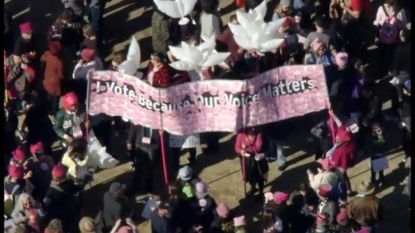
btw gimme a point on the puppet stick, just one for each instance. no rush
(88, 93)
(6, 97)
(244, 173)
(163, 150)
(163, 156)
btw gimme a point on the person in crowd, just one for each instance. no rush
(37, 122)
(327, 174)
(88, 63)
(321, 33)
(322, 225)
(70, 121)
(54, 226)
(14, 186)
(161, 38)
(144, 146)
(96, 17)
(282, 10)
(19, 81)
(377, 149)
(158, 74)
(343, 152)
(76, 159)
(160, 218)
(61, 200)
(129, 228)
(28, 212)
(185, 179)
(206, 203)
(11, 123)
(319, 54)
(90, 41)
(254, 165)
(54, 74)
(223, 222)
(117, 59)
(390, 19)
(344, 224)
(68, 30)
(406, 119)
(182, 213)
(210, 22)
(228, 43)
(365, 208)
(76, 5)
(26, 43)
(87, 225)
(41, 166)
(115, 207)
(328, 205)
(269, 222)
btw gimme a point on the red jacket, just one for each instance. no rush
(53, 73)
(161, 78)
(344, 155)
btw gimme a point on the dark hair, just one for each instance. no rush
(79, 148)
(119, 57)
(209, 6)
(267, 218)
(319, 22)
(68, 15)
(302, 187)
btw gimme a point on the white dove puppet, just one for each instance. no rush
(176, 9)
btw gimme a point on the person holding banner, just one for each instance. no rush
(70, 121)
(254, 165)
(158, 74)
(143, 145)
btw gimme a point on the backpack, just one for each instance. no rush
(389, 30)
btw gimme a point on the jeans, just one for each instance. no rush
(96, 18)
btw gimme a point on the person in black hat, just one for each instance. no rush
(114, 207)
(160, 219)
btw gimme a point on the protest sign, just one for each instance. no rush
(211, 105)
(185, 141)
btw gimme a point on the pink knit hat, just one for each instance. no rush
(125, 229)
(58, 171)
(16, 172)
(36, 147)
(222, 209)
(342, 59)
(26, 27)
(324, 190)
(280, 197)
(239, 221)
(316, 44)
(19, 154)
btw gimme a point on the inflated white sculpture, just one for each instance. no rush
(98, 156)
(253, 34)
(132, 63)
(176, 9)
(195, 58)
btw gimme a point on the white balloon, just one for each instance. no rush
(271, 45)
(98, 156)
(215, 58)
(273, 26)
(176, 9)
(127, 67)
(261, 10)
(134, 53)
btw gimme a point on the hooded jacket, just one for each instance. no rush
(54, 69)
(344, 155)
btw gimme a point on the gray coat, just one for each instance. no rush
(20, 212)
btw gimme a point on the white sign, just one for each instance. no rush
(380, 164)
(186, 141)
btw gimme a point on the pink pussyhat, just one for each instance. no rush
(280, 197)
(19, 154)
(36, 147)
(16, 172)
(239, 221)
(222, 209)
(58, 171)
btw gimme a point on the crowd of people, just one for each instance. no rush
(44, 193)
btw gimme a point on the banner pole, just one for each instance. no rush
(88, 93)
(163, 149)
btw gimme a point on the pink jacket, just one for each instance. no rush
(251, 146)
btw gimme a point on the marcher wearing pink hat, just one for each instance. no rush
(222, 210)
(36, 148)
(16, 172)
(125, 229)
(324, 190)
(280, 197)
(26, 28)
(19, 156)
(342, 217)
(326, 175)
(58, 171)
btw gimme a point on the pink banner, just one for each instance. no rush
(212, 105)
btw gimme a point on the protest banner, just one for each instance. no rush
(211, 105)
